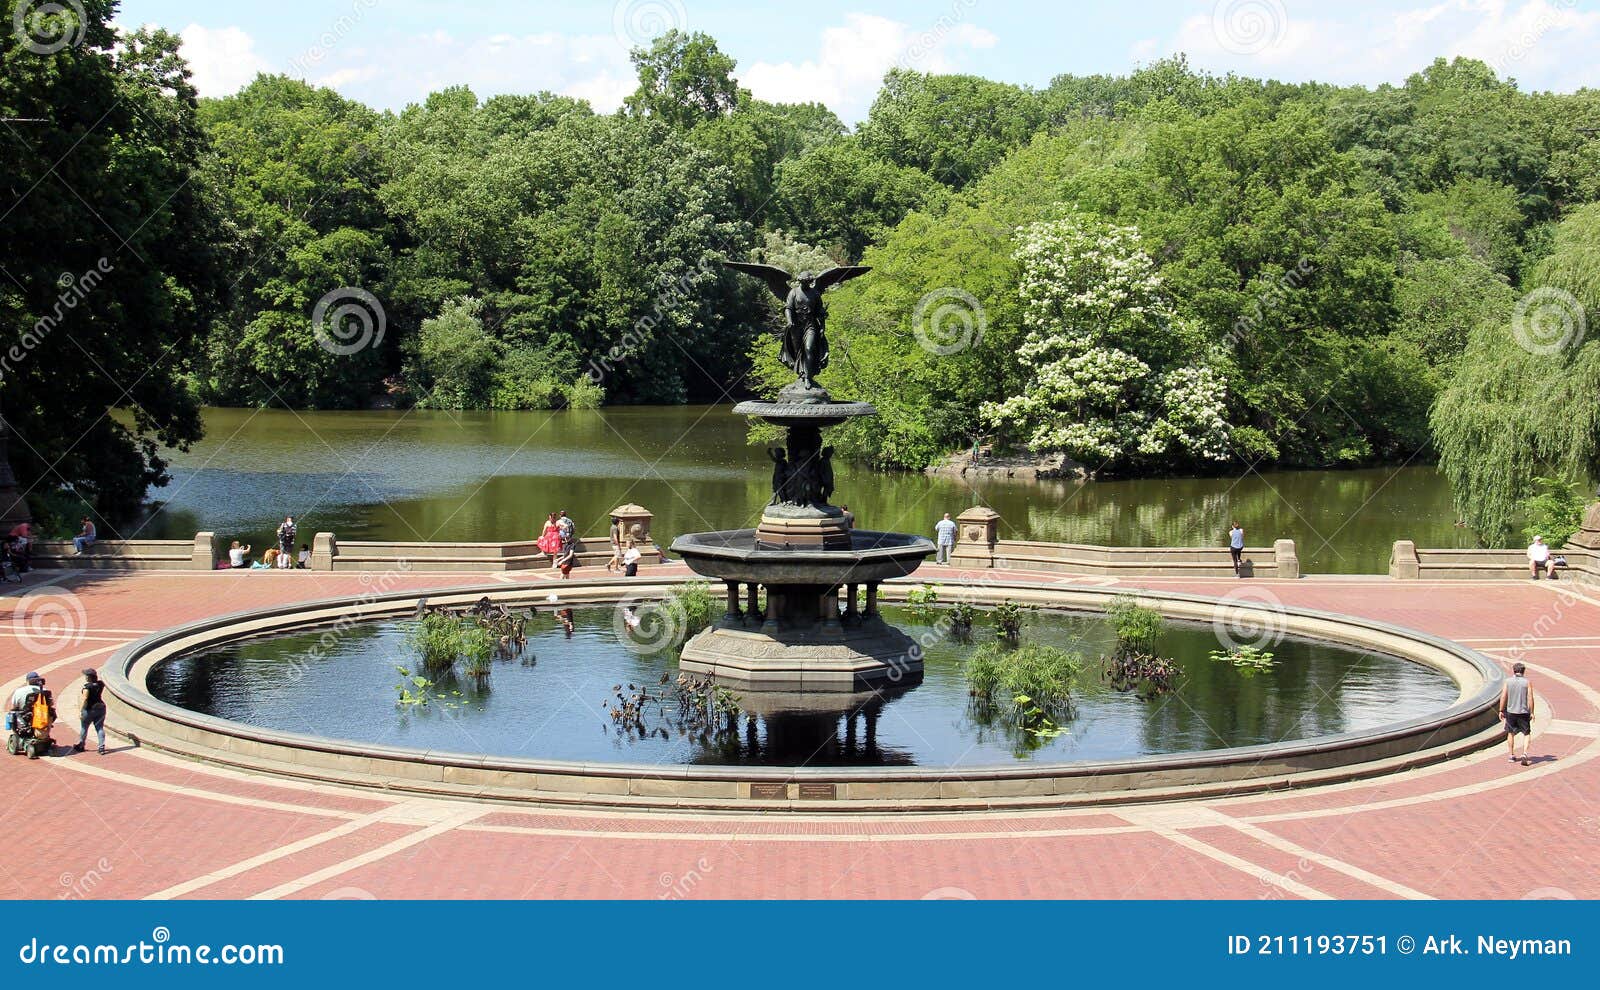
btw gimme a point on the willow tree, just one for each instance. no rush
(1526, 399)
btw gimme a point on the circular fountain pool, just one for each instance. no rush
(310, 690)
(554, 700)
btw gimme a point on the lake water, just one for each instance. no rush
(492, 476)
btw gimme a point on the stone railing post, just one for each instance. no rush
(635, 521)
(324, 547)
(1288, 561)
(203, 555)
(977, 532)
(1588, 535)
(1403, 561)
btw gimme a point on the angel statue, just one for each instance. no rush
(805, 338)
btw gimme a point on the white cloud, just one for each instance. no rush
(221, 60)
(854, 56)
(1545, 44)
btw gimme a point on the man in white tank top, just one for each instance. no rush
(1516, 710)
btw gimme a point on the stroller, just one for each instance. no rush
(33, 712)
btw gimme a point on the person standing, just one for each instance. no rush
(1236, 547)
(22, 546)
(630, 560)
(85, 538)
(1516, 710)
(286, 535)
(567, 558)
(945, 530)
(1539, 558)
(615, 563)
(550, 539)
(91, 710)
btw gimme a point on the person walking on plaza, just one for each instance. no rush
(91, 710)
(85, 538)
(550, 539)
(1516, 710)
(1236, 547)
(1539, 558)
(615, 563)
(945, 530)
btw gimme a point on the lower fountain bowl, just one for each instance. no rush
(843, 658)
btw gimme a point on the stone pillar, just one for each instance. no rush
(977, 532)
(733, 614)
(872, 600)
(324, 547)
(203, 555)
(1403, 561)
(752, 609)
(830, 614)
(1287, 559)
(1588, 535)
(635, 522)
(852, 614)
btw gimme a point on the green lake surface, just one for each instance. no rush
(492, 476)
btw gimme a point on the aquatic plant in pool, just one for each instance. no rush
(557, 706)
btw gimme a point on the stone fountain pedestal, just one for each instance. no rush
(802, 587)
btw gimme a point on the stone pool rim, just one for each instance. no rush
(1463, 726)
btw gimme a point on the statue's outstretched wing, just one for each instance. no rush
(776, 278)
(843, 273)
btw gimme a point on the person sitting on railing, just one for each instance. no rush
(304, 560)
(85, 538)
(1539, 558)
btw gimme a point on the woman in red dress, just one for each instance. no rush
(550, 540)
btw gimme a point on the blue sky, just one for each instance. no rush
(392, 52)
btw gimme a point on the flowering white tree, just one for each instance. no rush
(1116, 374)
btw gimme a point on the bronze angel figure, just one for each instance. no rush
(805, 337)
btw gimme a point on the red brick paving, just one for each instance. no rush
(128, 833)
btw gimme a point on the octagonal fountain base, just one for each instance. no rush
(870, 655)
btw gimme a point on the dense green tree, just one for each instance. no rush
(300, 171)
(951, 127)
(115, 257)
(843, 197)
(684, 79)
(1525, 400)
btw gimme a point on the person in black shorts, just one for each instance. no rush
(1516, 710)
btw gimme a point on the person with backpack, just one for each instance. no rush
(91, 710)
(286, 535)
